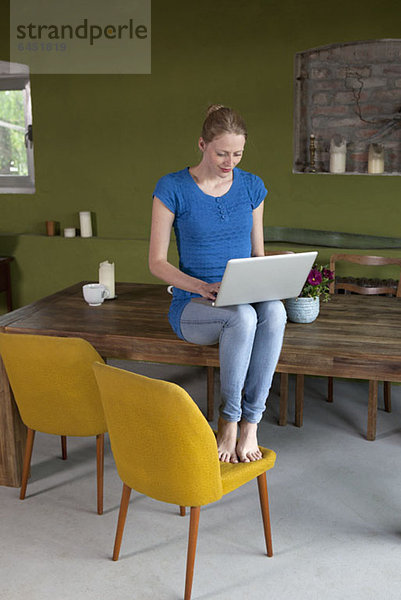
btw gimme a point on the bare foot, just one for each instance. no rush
(226, 441)
(247, 446)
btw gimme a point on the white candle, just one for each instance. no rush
(69, 232)
(338, 155)
(376, 158)
(106, 276)
(85, 222)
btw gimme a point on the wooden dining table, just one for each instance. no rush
(357, 337)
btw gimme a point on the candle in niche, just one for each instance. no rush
(376, 158)
(338, 154)
(85, 222)
(106, 276)
(69, 232)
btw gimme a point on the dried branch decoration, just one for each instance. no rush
(389, 122)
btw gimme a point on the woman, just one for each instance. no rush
(216, 210)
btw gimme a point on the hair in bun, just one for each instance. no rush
(212, 108)
(220, 120)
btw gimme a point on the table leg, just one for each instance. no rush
(387, 395)
(210, 393)
(299, 400)
(372, 410)
(12, 435)
(330, 389)
(282, 420)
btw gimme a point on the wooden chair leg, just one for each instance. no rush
(299, 400)
(64, 447)
(100, 471)
(30, 436)
(387, 395)
(282, 420)
(122, 515)
(192, 539)
(372, 410)
(264, 506)
(183, 512)
(330, 389)
(210, 393)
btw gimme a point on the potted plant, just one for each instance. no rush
(305, 308)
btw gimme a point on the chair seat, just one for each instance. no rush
(233, 475)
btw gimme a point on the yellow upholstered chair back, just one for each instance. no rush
(53, 383)
(162, 444)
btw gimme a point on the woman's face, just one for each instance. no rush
(222, 154)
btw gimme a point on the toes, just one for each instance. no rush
(226, 456)
(250, 456)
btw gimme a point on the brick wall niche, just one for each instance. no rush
(350, 90)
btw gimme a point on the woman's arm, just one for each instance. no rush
(257, 237)
(162, 221)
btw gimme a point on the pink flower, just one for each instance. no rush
(315, 277)
(329, 274)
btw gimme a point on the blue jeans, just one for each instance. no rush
(250, 338)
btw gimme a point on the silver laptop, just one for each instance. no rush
(261, 278)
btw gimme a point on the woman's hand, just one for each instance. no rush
(209, 290)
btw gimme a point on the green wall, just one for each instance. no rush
(101, 142)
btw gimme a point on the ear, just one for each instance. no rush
(201, 144)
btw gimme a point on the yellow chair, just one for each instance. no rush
(164, 448)
(56, 392)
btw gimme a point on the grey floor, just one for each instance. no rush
(335, 503)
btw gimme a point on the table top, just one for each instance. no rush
(133, 326)
(354, 336)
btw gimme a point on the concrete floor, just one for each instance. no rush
(335, 504)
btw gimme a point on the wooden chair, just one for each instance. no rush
(56, 392)
(5, 279)
(358, 288)
(164, 448)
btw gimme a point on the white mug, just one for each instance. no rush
(95, 293)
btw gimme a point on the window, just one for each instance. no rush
(16, 141)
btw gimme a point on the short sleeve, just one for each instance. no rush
(165, 191)
(258, 191)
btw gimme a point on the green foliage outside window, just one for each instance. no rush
(13, 156)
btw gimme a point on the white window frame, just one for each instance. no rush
(14, 76)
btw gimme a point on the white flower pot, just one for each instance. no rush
(302, 310)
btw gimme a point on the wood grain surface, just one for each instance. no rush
(354, 336)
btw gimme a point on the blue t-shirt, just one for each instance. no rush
(209, 230)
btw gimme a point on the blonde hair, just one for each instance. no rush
(221, 119)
